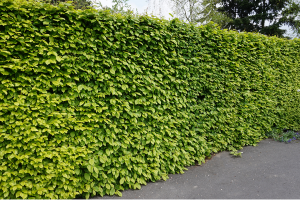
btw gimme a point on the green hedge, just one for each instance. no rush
(93, 103)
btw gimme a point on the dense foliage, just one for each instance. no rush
(93, 103)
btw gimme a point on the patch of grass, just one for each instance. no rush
(284, 135)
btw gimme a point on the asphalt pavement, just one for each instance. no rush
(270, 170)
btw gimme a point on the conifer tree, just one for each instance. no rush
(263, 16)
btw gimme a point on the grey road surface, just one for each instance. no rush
(270, 170)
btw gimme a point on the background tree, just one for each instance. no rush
(210, 13)
(291, 17)
(188, 10)
(201, 12)
(119, 6)
(263, 16)
(78, 4)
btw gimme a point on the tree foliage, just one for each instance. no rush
(78, 4)
(263, 16)
(201, 12)
(292, 17)
(119, 6)
(188, 10)
(210, 13)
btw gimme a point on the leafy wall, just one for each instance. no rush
(93, 103)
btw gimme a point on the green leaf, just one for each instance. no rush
(4, 53)
(90, 168)
(87, 176)
(119, 193)
(112, 70)
(112, 191)
(58, 58)
(80, 87)
(96, 188)
(91, 161)
(77, 171)
(48, 62)
(96, 170)
(103, 158)
(23, 195)
(122, 180)
(51, 40)
(124, 87)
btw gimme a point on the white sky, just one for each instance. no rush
(159, 8)
(142, 6)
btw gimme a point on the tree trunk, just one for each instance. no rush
(264, 14)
